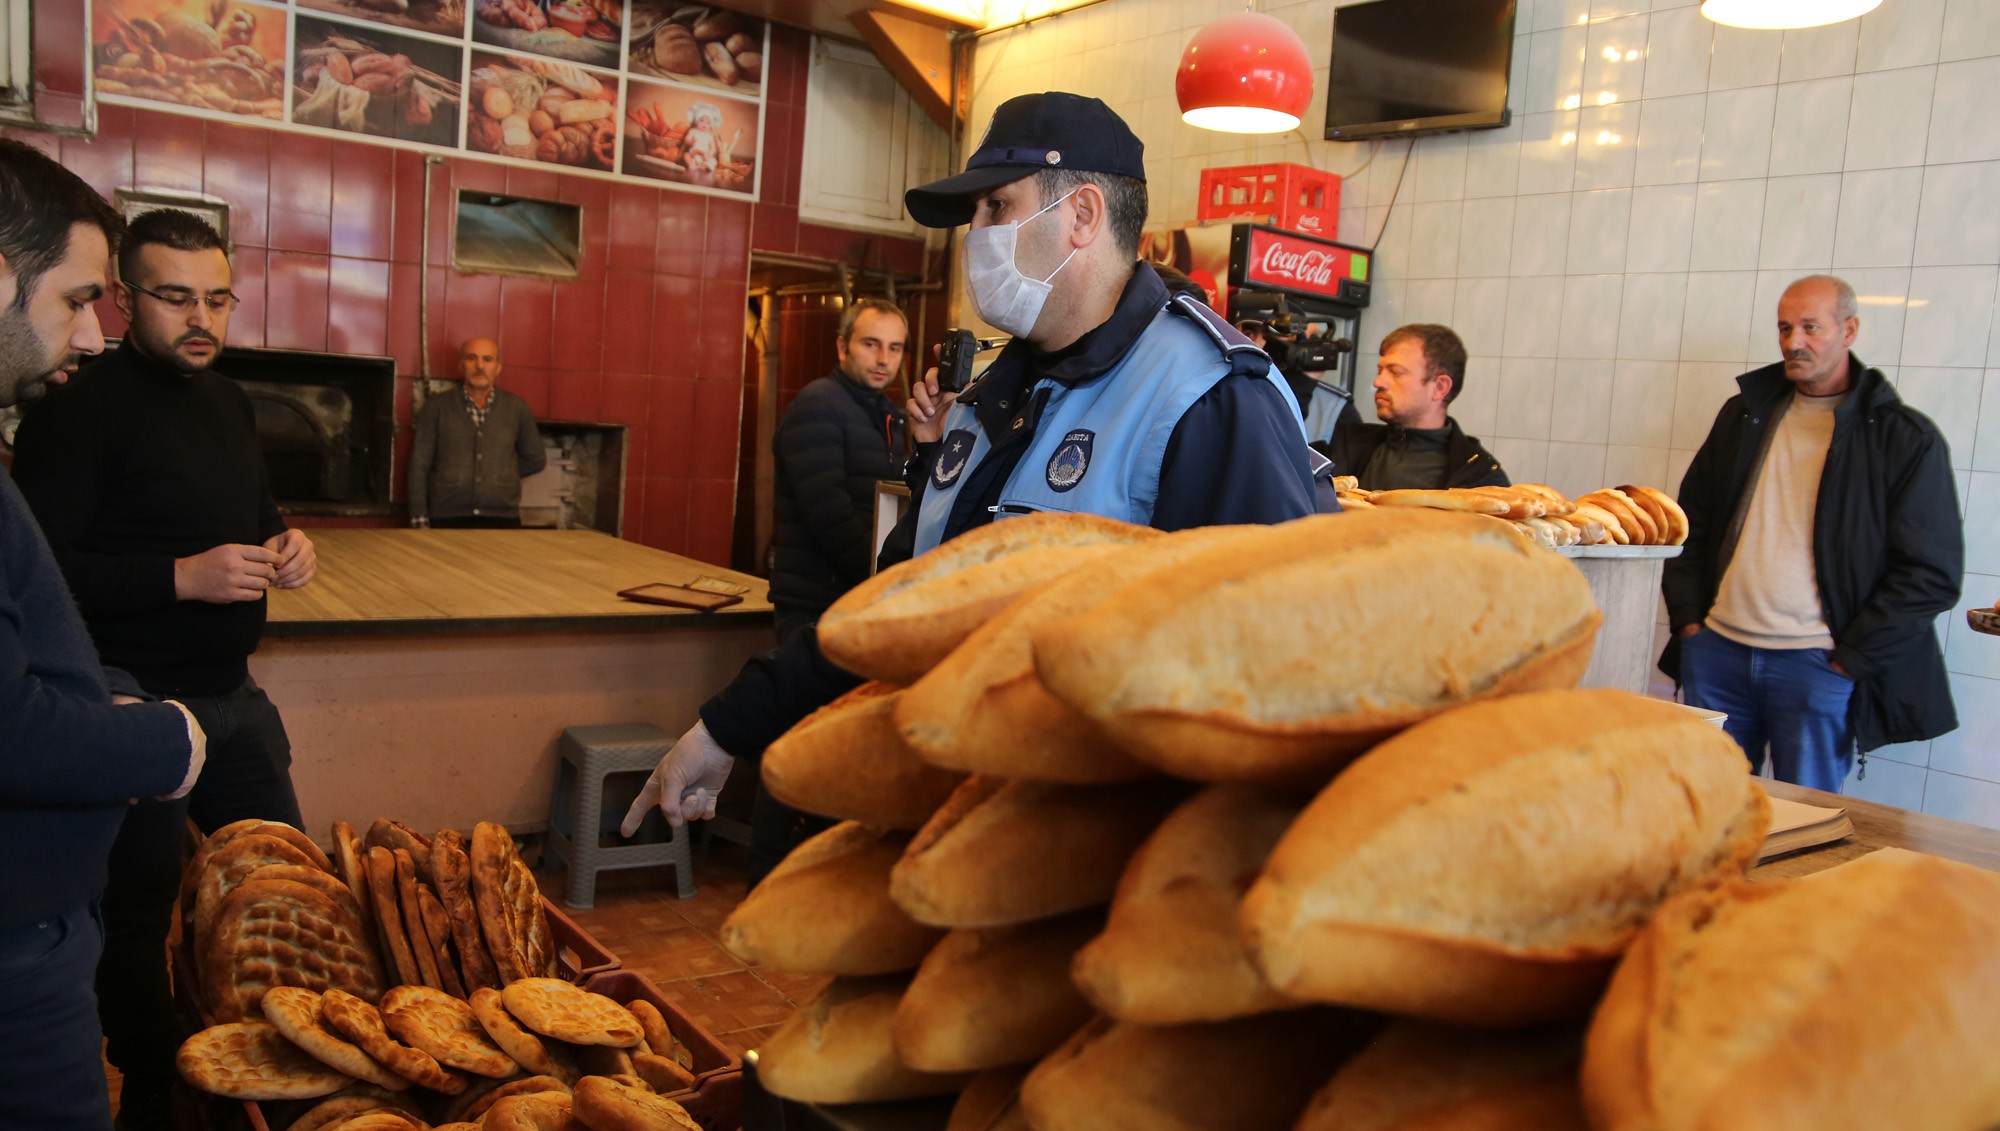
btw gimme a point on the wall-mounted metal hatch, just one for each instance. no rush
(512, 235)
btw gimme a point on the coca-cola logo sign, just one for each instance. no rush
(1307, 267)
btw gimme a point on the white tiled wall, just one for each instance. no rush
(1614, 257)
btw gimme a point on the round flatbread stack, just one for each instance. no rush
(444, 1026)
(525, 1047)
(560, 1010)
(361, 1023)
(250, 1060)
(510, 907)
(298, 1015)
(230, 865)
(283, 933)
(601, 1102)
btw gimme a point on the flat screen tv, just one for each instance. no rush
(1409, 67)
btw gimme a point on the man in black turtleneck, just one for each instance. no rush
(146, 474)
(1417, 445)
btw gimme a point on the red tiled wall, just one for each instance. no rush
(328, 239)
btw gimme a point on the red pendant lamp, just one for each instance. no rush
(1246, 73)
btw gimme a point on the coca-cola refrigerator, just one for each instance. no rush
(1257, 271)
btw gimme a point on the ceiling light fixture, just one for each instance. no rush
(1246, 73)
(1776, 14)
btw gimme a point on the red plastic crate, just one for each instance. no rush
(1294, 197)
(716, 1100)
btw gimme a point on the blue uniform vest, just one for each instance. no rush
(1100, 444)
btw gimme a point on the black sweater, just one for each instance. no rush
(69, 759)
(132, 465)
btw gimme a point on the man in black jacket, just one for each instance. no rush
(147, 475)
(838, 438)
(1417, 445)
(1823, 540)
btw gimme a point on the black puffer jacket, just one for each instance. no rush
(1888, 545)
(1467, 462)
(833, 443)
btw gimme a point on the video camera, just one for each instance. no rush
(1293, 340)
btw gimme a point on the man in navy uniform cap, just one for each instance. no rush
(1114, 398)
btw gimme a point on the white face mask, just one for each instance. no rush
(1008, 300)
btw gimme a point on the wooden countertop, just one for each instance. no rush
(1880, 826)
(374, 581)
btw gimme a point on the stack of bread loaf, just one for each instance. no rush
(462, 1019)
(1630, 515)
(1306, 825)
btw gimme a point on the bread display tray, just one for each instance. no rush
(579, 958)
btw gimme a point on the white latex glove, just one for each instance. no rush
(198, 753)
(685, 784)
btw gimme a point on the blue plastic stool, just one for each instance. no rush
(579, 823)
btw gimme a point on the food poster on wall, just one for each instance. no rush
(692, 43)
(438, 17)
(581, 31)
(541, 110)
(693, 137)
(375, 82)
(224, 56)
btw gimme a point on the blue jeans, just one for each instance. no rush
(48, 1025)
(1789, 701)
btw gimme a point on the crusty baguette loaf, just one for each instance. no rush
(1559, 503)
(1487, 867)
(1001, 852)
(992, 996)
(846, 761)
(1520, 504)
(825, 909)
(1172, 951)
(1221, 670)
(837, 1049)
(991, 1102)
(1419, 1076)
(1665, 512)
(1471, 501)
(1614, 529)
(984, 710)
(1866, 996)
(1252, 1074)
(898, 624)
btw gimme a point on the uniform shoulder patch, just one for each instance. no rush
(954, 452)
(1072, 460)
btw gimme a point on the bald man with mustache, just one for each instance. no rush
(473, 449)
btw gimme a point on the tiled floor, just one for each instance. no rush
(673, 942)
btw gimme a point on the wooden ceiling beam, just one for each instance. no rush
(918, 52)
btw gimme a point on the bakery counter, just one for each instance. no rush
(1625, 581)
(426, 675)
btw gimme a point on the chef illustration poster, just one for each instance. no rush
(221, 56)
(693, 137)
(578, 31)
(438, 17)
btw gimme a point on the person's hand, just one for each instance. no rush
(124, 700)
(229, 572)
(927, 407)
(685, 784)
(1688, 630)
(297, 559)
(197, 753)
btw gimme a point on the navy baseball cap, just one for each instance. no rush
(1029, 133)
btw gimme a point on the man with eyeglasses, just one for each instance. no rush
(147, 476)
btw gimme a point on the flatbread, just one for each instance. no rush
(229, 866)
(351, 856)
(526, 1048)
(510, 907)
(483, 1094)
(361, 1023)
(396, 951)
(610, 1103)
(557, 1009)
(281, 933)
(249, 1060)
(298, 1016)
(451, 870)
(659, 1034)
(443, 1026)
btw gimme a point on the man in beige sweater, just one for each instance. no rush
(1824, 538)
